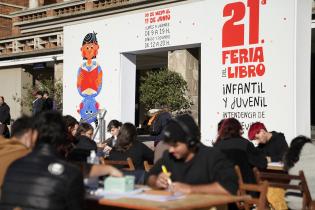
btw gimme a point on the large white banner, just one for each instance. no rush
(249, 66)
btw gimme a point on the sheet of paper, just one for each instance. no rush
(278, 164)
(156, 197)
(141, 193)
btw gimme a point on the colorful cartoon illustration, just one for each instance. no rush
(89, 79)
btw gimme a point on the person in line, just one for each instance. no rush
(272, 144)
(5, 118)
(38, 103)
(128, 146)
(48, 103)
(300, 157)
(55, 183)
(239, 150)
(192, 166)
(22, 141)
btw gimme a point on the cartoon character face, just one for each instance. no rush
(88, 109)
(89, 50)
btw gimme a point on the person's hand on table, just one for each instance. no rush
(162, 180)
(181, 187)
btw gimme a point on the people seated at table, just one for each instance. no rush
(43, 179)
(113, 128)
(272, 144)
(20, 144)
(190, 166)
(128, 146)
(300, 157)
(83, 144)
(239, 150)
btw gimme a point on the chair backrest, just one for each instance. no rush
(284, 181)
(244, 188)
(124, 164)
(147, 166)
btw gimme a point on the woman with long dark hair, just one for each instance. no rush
(128, 146)
(300, 157)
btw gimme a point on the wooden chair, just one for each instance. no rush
(261, 188)
(284, 181)
(147, 166)
(125, 164)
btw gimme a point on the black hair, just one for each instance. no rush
(126, 137)
(39, 93)
(2, 98)
(113, 124)
(69, 121)
(84, 127)
(90, 38)
(51, 129)
(21, 126)
(292, 156)
(182, 129)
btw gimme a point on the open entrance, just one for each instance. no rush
(184, 60)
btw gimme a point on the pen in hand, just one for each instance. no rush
(169, 181)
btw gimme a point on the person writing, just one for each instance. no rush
(272, 144)
(191, 166)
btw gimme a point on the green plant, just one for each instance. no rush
(164, 88)
(54, 88)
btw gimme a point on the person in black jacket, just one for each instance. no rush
(48, 103)
(239, 150)
(38, 103)
(128, 146)
(192, 167)
(272, 144)
(43, 180)
(83, 144)
(5, 118)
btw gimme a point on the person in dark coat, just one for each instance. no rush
(48, 103)
(38, 103)
(191, 166)
(272, 144)
(83, 144)
(5, 118)
(239, 150)
(158, 124)
(43, 180)
(128, 146)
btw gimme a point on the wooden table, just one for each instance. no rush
(192, 201)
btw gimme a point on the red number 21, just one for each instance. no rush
(232, 33)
